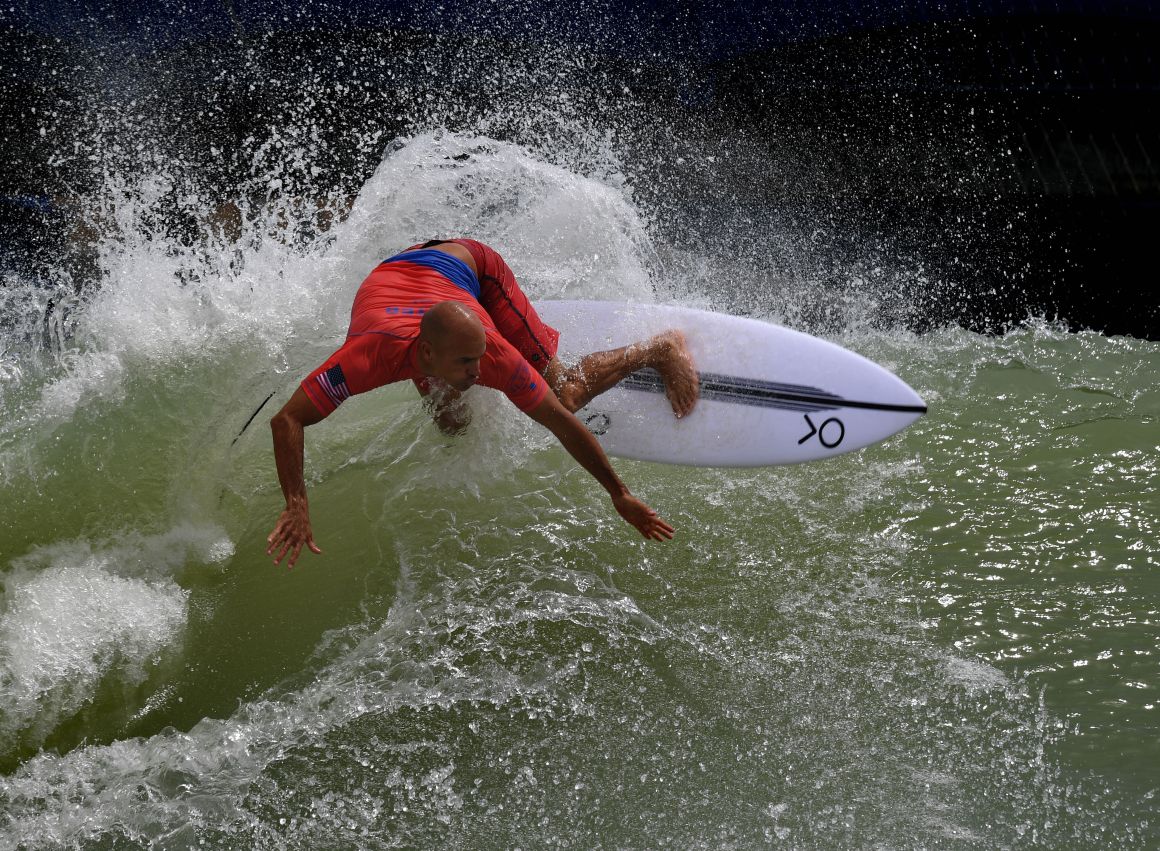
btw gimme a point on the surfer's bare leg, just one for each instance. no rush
(667, 353)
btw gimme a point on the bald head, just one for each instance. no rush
(449, 320)
(451, 344)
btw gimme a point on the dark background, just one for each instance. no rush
(1010, 152)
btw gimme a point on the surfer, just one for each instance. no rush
(448, 315)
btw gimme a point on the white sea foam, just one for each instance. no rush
(75, 617)
(87, 376)
(975, 675)
(564, 235)
(66, 629)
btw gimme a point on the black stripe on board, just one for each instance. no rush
(764, 394)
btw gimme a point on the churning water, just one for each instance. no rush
(948, 640)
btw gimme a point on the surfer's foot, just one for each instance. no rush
(672, 360)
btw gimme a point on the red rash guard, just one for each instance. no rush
(380, 345)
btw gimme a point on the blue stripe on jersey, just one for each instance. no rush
(450, 267)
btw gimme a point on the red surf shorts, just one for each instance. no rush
(509, 308)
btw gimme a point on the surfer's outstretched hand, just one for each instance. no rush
(290, 534)
(642, 517)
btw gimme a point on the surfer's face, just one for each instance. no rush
(455, 360)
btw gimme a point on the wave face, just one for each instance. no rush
(941, 641)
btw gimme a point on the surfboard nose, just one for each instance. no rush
(911, 399)
(768, 394)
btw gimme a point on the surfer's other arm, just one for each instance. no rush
(582, 446)
(292, 532)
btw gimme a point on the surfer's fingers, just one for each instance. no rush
(314, 548)
(282, 548)
(664, 532)
(280, 534)
(656, 529)
(276, 541)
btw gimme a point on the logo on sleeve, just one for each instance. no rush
(522, 380)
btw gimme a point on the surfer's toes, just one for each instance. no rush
(683, 398)
(683, 405)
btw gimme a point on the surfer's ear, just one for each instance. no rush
(426, 351)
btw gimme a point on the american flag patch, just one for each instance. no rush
(333, 384)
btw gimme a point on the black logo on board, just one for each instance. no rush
(830, 433)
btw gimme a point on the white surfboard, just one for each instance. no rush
(769, 395)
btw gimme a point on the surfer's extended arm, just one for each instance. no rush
(582, 446)
(292, 531)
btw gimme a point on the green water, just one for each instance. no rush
(1039, 534)
(947, 640)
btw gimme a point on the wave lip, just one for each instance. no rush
(70, 628)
